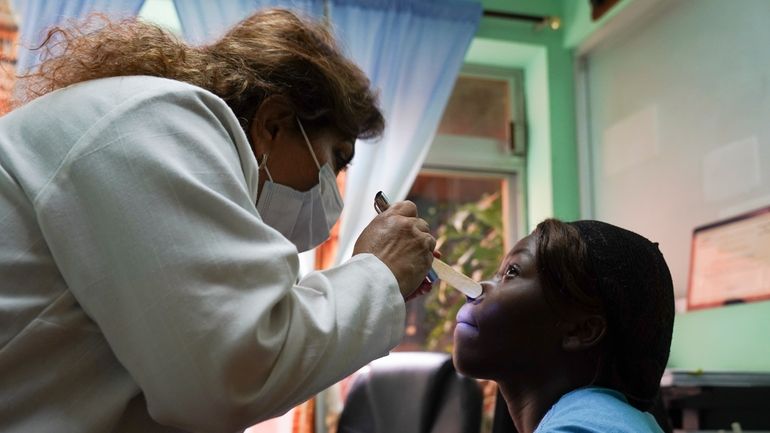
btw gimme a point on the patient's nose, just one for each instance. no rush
(485, 286)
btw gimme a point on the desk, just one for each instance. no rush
(714, 400)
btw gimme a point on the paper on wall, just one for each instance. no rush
(731, 170)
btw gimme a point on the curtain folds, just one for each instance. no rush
(447, 9)
(412, 50)
(204, 21)
(37, 16)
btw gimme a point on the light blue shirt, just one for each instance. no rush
(588, 410)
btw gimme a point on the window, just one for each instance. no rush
(469, 191)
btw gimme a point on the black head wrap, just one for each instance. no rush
(634, 284)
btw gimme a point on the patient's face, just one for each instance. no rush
(511, 329)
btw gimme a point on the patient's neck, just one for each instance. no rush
(529, 400)
(527, 406)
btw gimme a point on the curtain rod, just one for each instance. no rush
(515, 16)
(541, 22)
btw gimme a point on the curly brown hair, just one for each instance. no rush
(272, 52)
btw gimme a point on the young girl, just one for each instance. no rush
(575, 328)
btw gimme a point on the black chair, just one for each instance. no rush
(412, 392)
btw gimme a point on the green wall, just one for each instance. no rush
(578, 25)
(732, 338)
(552, 176)
(547, 59)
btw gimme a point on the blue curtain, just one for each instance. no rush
(412, 50)
(205, 20)
(35, 17)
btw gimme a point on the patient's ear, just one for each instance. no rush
(584, 332)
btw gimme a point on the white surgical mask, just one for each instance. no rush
(304, 217)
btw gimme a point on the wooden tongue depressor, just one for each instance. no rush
(457, 280)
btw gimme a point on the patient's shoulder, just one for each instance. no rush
(594, 409)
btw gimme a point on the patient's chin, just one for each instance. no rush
(469, 362)
(462, 365)
(473, 370)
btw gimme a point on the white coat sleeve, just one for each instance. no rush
(154, 228)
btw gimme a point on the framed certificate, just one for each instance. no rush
(730, 261)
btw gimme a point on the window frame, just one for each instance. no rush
(454, 155)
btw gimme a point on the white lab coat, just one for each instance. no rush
(139, 288)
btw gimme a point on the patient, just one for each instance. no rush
(575, 328)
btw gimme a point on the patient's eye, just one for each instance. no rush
(512, 271)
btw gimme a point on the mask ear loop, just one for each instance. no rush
(307, 141)
(264, 165)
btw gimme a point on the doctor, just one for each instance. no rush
(153, 198)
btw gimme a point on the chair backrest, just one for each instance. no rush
(412, 392)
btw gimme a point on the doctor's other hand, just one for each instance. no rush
(403, 242)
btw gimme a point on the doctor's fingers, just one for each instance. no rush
(423, 231)
(404, 208)
(421, 225)
(419, 228)
(426, 243)
(429, 243)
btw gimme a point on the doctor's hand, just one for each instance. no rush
(403, 242)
